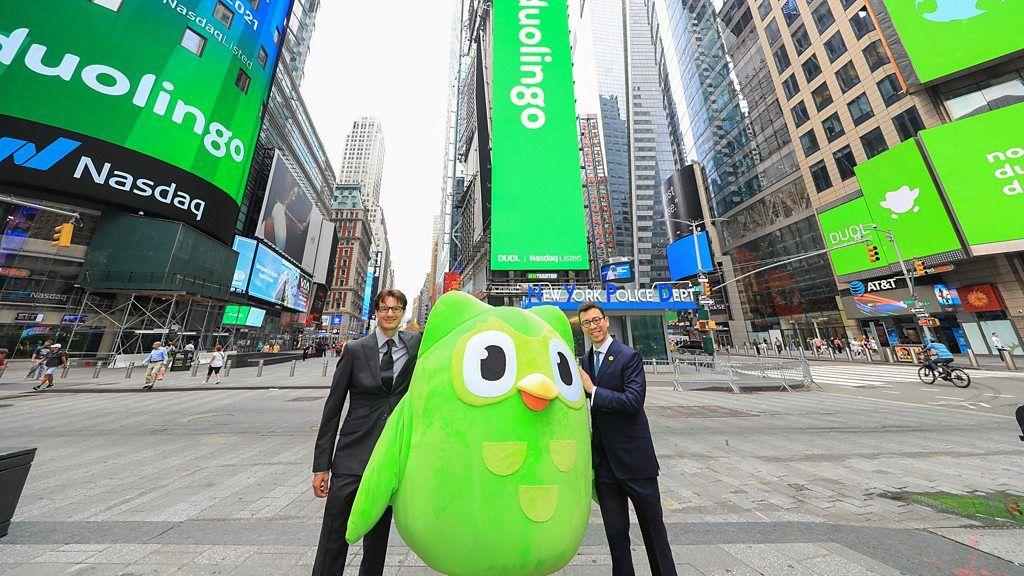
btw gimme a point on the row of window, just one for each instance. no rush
(858, 106)
(908, 123)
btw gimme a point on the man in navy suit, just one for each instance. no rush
(625, 466)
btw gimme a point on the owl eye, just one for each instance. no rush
(563, 366)
(489, 366)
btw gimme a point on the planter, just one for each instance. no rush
(14, 466)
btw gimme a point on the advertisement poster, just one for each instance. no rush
(683, 257)
(537, 216)
(287, 219)
(904, 352)
(167, 101)
(279, 281)
(246, 249)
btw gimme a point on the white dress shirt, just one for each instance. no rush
(400, 352)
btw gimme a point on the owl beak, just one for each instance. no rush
(537, 391)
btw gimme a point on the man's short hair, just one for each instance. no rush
(589, 305)
(389, 293)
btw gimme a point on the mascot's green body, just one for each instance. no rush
(487, 458)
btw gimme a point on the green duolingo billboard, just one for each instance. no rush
(147, 105)
(899, 196)
(537, 219)
(945, 36)
(980, 162)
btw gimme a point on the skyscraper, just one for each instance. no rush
(300, 31)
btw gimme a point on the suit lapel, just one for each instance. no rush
(412, 348)
(370, 353)
(605, 364)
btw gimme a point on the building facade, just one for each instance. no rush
(347, 291)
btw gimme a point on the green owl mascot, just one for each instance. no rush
(486, 461)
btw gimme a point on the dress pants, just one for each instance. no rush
(612, 494)
(333, 549)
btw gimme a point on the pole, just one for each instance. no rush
(972, 358)
(128, 373)
(291, 370)
(1008, 359)
(259, 369)
(906, 276)
(326, 365)
(96, 372)
(227, 368)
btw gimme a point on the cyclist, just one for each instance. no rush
(938, 355)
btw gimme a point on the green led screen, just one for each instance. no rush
(946, 36)
(537, 219)
(148, 105)
(980, 162)
(842, 225)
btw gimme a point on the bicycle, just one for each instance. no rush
(957, 376)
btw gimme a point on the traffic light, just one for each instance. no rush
(873, 253)
(919, 267)
(62, 236)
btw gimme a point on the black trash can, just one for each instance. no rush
(14, 465)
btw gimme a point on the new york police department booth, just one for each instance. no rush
(637, 317)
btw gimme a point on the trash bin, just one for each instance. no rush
(14, 466)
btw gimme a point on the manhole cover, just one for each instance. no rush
(710, 411)
(306, 399)
(210, 419)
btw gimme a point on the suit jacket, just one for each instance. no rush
(621, 438)
(357, 376)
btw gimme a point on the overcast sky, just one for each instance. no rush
(388, 60)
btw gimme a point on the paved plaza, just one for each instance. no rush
(193, 479)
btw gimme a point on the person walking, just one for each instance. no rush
(997, 343)
(625, 464)
(55, 359)
(154, 364)
(38, 355)
(216, 363)
(778, 346)
(374, 375)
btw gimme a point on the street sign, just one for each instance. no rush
(918, 311)
(707, 301)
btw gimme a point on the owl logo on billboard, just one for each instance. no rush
(901, 201)
(948, 10)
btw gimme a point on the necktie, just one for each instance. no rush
(387, 366)
(597, 362)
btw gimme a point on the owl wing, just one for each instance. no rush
(383, 473)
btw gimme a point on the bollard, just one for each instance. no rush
(849, 354)
(64, 372)
(326, 364)
(1008, 359)
(128, 372)
(227, 368)
(914, 357)
(96, 372)
(867, 354)
(831, 353)
(972, 358)
(889, 356)
(259, 369)
(746, 348)
(802, 355)
(195, 367)
(291, 371)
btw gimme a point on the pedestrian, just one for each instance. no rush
(216, 363)
(778, 346)
(3, 361)
(38, 355)
(277, 347)
(259, 347)
(625, 465)
(1020, 420)
(52, 361)
(997, 343)
(154, 364)
(190, 347)
(374, 382)
(305, 352)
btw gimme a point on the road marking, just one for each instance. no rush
(998, 395)
(948, 398)
(889, 391)
(905, 403)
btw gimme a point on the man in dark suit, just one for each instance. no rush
(625, 466)
(374, 373)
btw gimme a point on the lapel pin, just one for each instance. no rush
(610, 358)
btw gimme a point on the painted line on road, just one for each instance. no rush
(902, 403)
(999, 395)
(948, 398)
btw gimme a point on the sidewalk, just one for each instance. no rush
(986, 362)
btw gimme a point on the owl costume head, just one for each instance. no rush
(486, 461)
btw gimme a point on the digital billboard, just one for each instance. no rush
(980, 162)
(946, 36)
(843, 225)
(246, 249)
(537, 216)
(145, 105)
(243, 316)
(617, 272)
(682, 257)
(276, 280)
(289, 220)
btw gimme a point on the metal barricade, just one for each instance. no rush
(707, 372)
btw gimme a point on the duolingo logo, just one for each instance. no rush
(901, 201)
(948, 10)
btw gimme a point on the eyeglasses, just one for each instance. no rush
(396, 309)
(592, 322)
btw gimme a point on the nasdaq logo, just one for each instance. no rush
(25, 154)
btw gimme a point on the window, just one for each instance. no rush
(890, 89)
(809, 141)
(845, 162)
(790, 12)
(114, 5)
(819, 173)
(811, 68)
(822, 96)
(193, 41)
(242, 81)
(262, 58)
(861, 23)
(800, 114)
(875, 55)
(835, 47)
(847, 3)
(874, 143)
(984, 96)
(908, 123)
(764, 8)
(791, 86)
(781, 58)
(833, 127)
(822, 16)
(860, 109)
(847, 76)
(800, 40)
(771, 31)
(224, 13)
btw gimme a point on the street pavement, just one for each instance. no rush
(214, 479)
